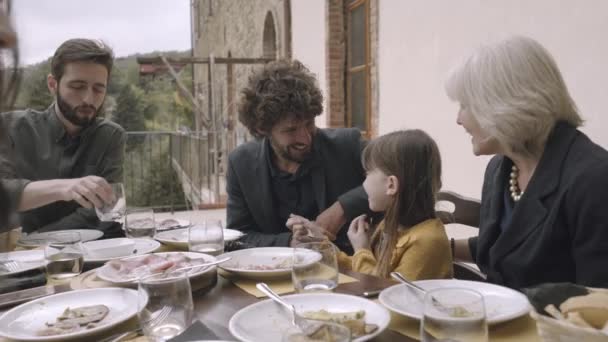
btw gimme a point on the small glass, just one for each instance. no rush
(206, 237)
(115, 210)
(328, 332)
(315, 267)
(63, 256)
(140, 223)
(165, 305)
(454, 314)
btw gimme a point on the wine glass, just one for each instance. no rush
(207, 237)
(315, 267)
(115, 210)
(165, 304)
(140, 223)
(63, 255)
(453, 314)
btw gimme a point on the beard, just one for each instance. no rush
(71, 113)
(290, 152)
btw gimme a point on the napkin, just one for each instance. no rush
(196, 331)
(279, 285)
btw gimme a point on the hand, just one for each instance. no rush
(359, 234)
(313, 228)
(89, 191)
(332, 219)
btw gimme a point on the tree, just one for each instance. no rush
(34, 92)
(129, 114)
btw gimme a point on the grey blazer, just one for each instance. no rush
(559, 229)
(251, 204)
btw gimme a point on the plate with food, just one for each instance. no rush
(69, 315)
(269, 321)
(179, 237)
(264, 262)
(12, 263)
(99, 251)
(171, 223)
(502, 304)
(34, 240)
(128, 270)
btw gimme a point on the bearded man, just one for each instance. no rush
(293, 172)
(58, 163)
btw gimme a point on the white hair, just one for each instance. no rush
(515, 91)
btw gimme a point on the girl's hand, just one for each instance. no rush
(359, 234)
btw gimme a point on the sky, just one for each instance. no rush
(128, 26)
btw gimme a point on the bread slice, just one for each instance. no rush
(593, 308)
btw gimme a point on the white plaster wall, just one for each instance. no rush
(308, 41)
(419, 41)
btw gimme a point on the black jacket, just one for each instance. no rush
(559, 228)
(251, 206)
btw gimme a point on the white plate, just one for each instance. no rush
(180, 224)
(23, 321)
(179, 237)
(276, 260)
(26, 260)
(39, 239)
(106, 273)
(502, 304)
(142, 246)
(268, 321)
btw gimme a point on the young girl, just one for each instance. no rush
(403, 177)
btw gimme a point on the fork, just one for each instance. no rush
(10, 265)
(156, 318)
(399, 277)
(307, 326)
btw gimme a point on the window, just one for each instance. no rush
(358, 101)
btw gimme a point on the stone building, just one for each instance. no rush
(382, 63)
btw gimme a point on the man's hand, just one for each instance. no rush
(332, 219)
(89, 191)
(304, 230)
(358, 233)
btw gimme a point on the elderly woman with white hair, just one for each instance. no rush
(544, 214)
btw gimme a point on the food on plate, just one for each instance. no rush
(141, 223)
(592, 309)
(278, 263)
(323, 334)
(133, 268)
(168, 224)
(72, 320)
(354, 320)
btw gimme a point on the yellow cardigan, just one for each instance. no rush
(422, 252)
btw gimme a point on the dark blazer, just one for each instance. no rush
(251, 204)
(559, 228)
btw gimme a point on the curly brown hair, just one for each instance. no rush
(283, 89)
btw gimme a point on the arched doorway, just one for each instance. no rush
(270, 37)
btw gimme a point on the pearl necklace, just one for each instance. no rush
(516, 193)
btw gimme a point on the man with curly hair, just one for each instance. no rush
(293, 169)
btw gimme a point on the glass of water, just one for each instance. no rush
(165, 305)
(206, 237)
(140, 223)
(315, 267)
(63, 255)
(115, 210)
(454, 314)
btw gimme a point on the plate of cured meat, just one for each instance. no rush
(129, 270)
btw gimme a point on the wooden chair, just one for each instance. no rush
(466, 212)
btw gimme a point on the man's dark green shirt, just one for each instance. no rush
(39, 148)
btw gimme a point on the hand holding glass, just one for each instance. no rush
(206, 237)
(165, 305)
(315, 267)
(63, 255)
(115, 210)
(453, 314)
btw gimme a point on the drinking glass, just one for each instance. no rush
(115, 210)
(206, 237)
(63, 256)
(164, 305)
(315, 267)
(454, 314)
(140, 223)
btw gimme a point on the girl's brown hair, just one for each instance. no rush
(413, 157)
